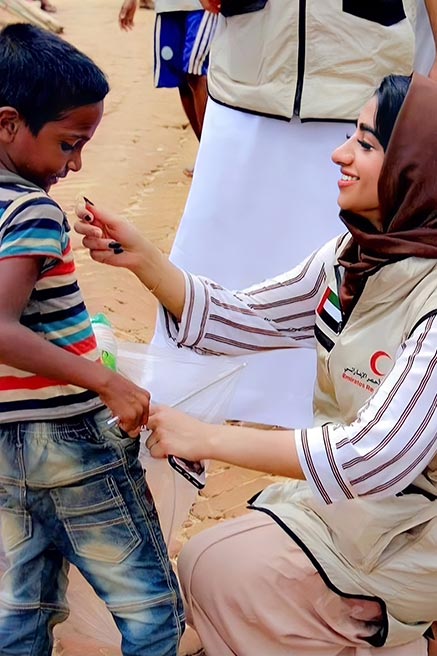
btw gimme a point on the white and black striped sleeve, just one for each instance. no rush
(394, 436)
(278, 313)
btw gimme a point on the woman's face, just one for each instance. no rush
(360, 159)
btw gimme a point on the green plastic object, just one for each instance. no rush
(106, 341)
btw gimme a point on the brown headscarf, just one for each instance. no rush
(407, 190)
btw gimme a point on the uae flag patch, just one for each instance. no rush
(329, 310)
(330, 317)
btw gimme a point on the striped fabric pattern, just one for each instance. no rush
(202, 43)
(279, 313)
(398, 425)
(33, 225)
(393, 438)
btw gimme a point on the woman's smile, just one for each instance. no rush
(360, 159)
(346, 180)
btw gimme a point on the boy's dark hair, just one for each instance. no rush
(390, 95)
(42, 76)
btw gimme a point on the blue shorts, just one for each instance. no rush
(182, 45)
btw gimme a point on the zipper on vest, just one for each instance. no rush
(300, 56)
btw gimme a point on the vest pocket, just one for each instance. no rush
(238, 49)
(384, 12)
(237, 7)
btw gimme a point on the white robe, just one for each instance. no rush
(263, 197)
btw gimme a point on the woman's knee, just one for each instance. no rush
(220, 555)
(193, 560)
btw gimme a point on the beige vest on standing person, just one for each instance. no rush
(263, 61)
(384, 548)
(162, 6)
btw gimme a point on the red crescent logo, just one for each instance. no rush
(374, 361)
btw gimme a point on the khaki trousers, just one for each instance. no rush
(251, 591)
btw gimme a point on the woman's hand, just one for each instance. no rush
(126, 14)
(111, 240)
(176, 433)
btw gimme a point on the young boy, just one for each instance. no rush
(71, 487)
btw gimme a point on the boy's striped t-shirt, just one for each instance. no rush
(33, 225)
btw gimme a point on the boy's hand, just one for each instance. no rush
(109, 239)
(176, 433)
(126, 14)
(127, 401)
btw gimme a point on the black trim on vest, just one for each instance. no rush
(254, 112)
(249, 111)
(413, 489)
(431, 313)
(329, 120)
(323, 339)
(377, 640)
(384, 12)
(231, 8)
(301, 52)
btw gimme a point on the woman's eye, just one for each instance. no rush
(66, 147)
(365, 144)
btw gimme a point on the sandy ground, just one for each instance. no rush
(134, 166)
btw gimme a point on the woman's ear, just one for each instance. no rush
(9, 122)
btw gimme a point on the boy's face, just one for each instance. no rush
(57, 148)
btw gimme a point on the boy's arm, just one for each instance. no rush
(24, 349)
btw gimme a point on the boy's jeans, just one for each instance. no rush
(75, 490)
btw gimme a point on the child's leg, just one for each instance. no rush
(28, 616)
(123, 557)
(81, 487)
(198, 33)
(32, 594)
(108, 527)
(188, 100)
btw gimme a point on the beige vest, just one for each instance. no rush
(162, 6)
(377, 548)
(258, 59)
